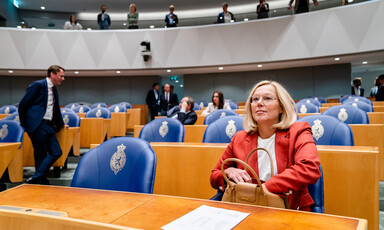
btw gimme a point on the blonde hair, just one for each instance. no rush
(132, 4)
(288, 115)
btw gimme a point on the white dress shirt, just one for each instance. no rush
(49, 111)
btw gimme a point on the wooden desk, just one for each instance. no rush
(119, 123)
(94, 131)
(329, 104)
(198, 112)
(240, 111)
(351, 187)
(147, 211)
(81, 115)
(376, 118)
(134, 119)
(11, 158)
(378, 103)
(200, 120)
(2, 115)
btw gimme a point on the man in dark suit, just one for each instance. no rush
(380, 90)
(356, 88)
(167, 100)
(171, 19)
(103, 19)
(225, 16)
(185, 112)
(40, 115)
(153, 98)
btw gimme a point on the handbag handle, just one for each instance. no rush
(246, 166)
(269, 155)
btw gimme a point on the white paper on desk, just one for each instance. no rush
(205, 218)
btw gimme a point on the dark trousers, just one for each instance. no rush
(46, 150)
(154, 112)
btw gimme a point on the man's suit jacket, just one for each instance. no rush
(33, 106)
(296, 158)
(175, 20)
(361, 91)
(151, 100)
(380, 93)
(185, 118)
(220, 17)
(104, 24)
(172, 101)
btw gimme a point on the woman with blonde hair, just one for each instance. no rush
(270, 123)
(133, 17)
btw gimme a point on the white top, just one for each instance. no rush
(49, 111)
(263, 159)
(69, 26)
(357, 91)
(212, 107)
(227, 17)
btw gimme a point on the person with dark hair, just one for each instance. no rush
(344, 2)
(380, 90)
(301, 6)
(39, 114)
(356, 88)
(167, 100)
(103, 19)
(133, 17)
(225, 16)
(153, 100)
(185, 113)
(262, 10)
(72, 24)
(171, 19)
(375, 88)
(217, 103)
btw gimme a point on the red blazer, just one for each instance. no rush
(296, 158)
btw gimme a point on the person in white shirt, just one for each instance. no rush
(72, 24)
(217, 103)
(225, 16)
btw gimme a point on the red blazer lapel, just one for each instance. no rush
(281, 150)
(251, 144)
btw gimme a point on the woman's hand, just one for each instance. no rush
(238, 175)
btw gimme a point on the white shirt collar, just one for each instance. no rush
(50, 85)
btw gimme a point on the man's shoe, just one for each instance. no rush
(31, 180)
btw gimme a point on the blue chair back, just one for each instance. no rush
(71, 119)
(328, 130)
(233, 105)
(163, 130)
(359, 104)
(127, 105)
(122, 164)
(118, 108)
(202, 103)
(66, 110)
(99, 105)
(321, 99)
(348, 114)
(196, 107)
(310, 100)
(217, 114)
(346, 97)
(357, 98)
(8, 109)
(307, 108)
(317, 193)
(99, 113)
(81, 109)
(223, 129)
(172, 109)
(71, 105)
(11, 131)
(13, 117)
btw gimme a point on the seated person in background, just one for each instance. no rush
(380, 90)
(72, 24)
(270, 123)
(356, 88)
(225, 16)
(375, 88)
(217, 103)
(171, 19)
(262, 10)
(185, 112)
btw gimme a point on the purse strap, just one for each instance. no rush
(246, 166)
(269, 155)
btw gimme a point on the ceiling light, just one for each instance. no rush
(118, 71)
(33, 28)
(124, 24)
(259, 65)
(19, 27)
(22, 22)
(274, 11)
(245, 19)
(151, 26)
(365, 62)
(221, 68)
(349, 1)
(232, 20)
(337, 59)
(76, 72)
(89, 29)
(177, 81)
(42, 7)
(168, 70)
(181, 86)
(10, 71)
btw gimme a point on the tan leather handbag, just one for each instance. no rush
(248, 193)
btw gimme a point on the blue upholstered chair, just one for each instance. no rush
(346, 97)
(71, 105)
(11, 131)
(118, 108)
(172, 109)
(321, 99)
(99, 113)
(303, 107)
(67, 110)
(328, 130)
(359, 104)
(233, 105)
(13, 117)
(122, 164)
(348, 114)
(317, 193)
(99, 105)
(202, 103)
(223, 129)
(8, 109)
(70, 118)
(196, 107)
(127, 105)
(310, 100)
(81, 109)
(218, 114)
(357, 98)
(163, 130)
